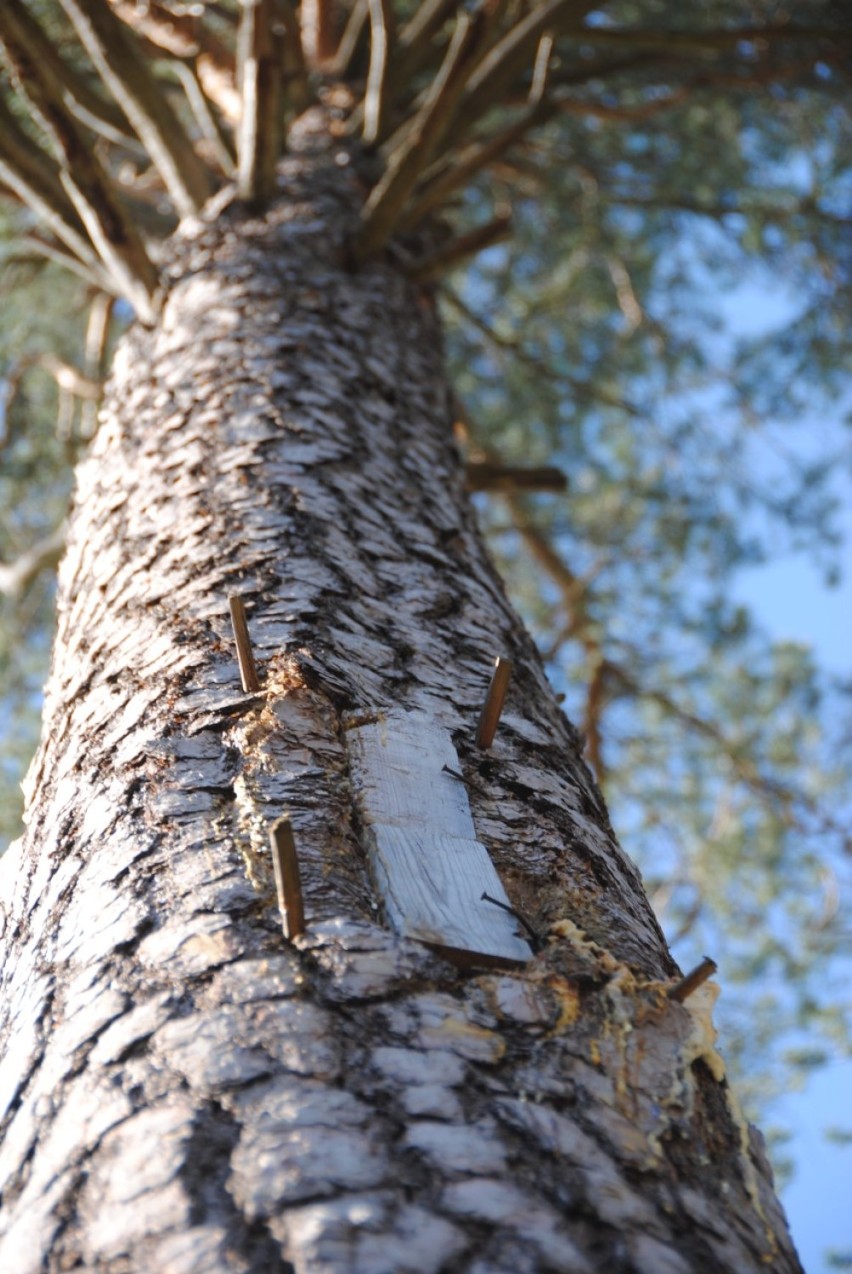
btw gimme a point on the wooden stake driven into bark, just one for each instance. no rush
(494, 701)
(699, 975)
(288, 881)
(248, 670)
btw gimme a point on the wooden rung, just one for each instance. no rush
(494, 700)
(288, 881)
(248, 671)
(699, 975)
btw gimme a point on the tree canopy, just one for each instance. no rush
(632, 176)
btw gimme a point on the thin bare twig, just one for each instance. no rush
(218, 139)
(71, 379)
(375, 94)
(99, 113)
(260, 135)
(34, 177)
(131, 82)
(341, 64)
(317, 34)
(514, 53)
(94, 357)
(16, 577)
(490, 475)
(436, 264)
(414, 152)
(414, 47)
(184, 37)
(35, 247)
(107, 222)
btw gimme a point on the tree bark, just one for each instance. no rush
(183, 1091)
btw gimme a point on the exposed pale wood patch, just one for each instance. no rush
(428, 865)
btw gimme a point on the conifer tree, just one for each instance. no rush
(470, 1048)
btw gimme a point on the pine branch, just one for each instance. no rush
(34, 177)
(317, 32)
(573, 587)
(131, 82)
(37, 248)
(185, 38)
(16, 577)
(591, 727)
(584, 390)
(454, 171)
(582, 627)
(432, 267)
(711, 40)
(100, 114)
(341, 65)
(88, 187)
(416, 39)
(210, 126)
(176, 30)
(261, 132)
(745, 769)
(491, 475)
(420, 140)
(417, 33)
(11, 380)
(515, 53)
(376, 92)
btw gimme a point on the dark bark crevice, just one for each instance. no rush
(205, 1173)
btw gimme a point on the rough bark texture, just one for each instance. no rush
(180, 1090)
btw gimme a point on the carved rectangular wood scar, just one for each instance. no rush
(428, 866)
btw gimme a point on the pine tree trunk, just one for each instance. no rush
(183, 1090)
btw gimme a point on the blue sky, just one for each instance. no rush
(819, 1198)
(793, 602)
(790, 597)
